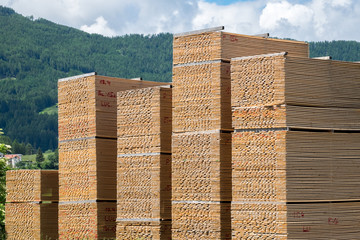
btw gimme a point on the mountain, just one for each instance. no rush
(35, 53)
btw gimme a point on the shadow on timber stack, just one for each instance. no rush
(87, 154)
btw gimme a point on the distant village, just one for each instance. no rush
(11, 159)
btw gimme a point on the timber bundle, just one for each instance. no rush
(87, 154)
(144, 163)
(31, 208)
(252, 140)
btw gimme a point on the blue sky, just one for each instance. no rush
(307, 20)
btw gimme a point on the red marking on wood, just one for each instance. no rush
(110, 209)
(306, 229)
(166, 95)
(333, 221)
(167, 120)
(105, 104)
(167, 188)
(233, 38)
(100, 93)
(227, 70)
(105, 82)
(228, 90)
(298, 214)
(109, 229)
(110, 218)
(111, 94)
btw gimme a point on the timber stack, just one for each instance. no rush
(144, 163)
(87, 154)
(254, 141)
(296, 148)
(31, 208)
(202, 127)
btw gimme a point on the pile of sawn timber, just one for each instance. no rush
(254, 141)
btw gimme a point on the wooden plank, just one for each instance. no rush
(32, 185)
(87, 220)
(28, 220)
(221, 45)
(144, 125)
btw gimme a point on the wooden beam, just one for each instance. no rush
(214, 29)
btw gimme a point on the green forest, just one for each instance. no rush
(34, 54)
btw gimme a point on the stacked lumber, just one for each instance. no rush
(209, 46)
(295, 166)
(202, 97)
(202, 127)
(201, 156)
(276, 90)
(81, 100)
(283, 115)
(295, 149)
(87, 153)
(201, 185)
(144, 123)
(32, 204)
(87, 220)
(338, 220)
(86, 169)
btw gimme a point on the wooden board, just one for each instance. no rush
(32, 185)
(201, 185)
(143, 230)
(324, 221)
(259, 220)
(271, 80)
(296, 166)
(87, 220)
(283, 116)
(144, 121)
(221, 45)
(268, 220)
(144, 163)
(201, 220)
(201, 97)
(87, 151)
(201, 167)
(31, 220)
(276, 172)
(144, 187)
(87, 104)
(87, 170)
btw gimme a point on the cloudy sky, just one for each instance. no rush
(307, 20)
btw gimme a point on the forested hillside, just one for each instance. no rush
(35, 53)
(338, 50)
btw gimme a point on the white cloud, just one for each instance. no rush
(341, 3)
(100, 27)
(241, 17)
(298, 19)
(274, 13)
(312, 20)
